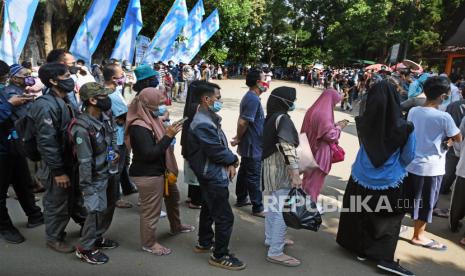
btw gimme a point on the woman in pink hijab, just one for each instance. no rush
(321, 132)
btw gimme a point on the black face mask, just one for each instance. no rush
(73, 70)
(67, 85)
(104, 104)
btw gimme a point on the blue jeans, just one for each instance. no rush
(248, 183)
(275, 227)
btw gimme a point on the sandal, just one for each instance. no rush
(185, 228)
(433, 245)
(288, 261)
(162, 251)
(193, 206)
(441, 213)
(123, 204)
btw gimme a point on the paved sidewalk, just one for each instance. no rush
(319, 252)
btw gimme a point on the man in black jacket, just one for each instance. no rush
(51, 114)
(13, 166)
(215, 165)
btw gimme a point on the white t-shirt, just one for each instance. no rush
(432, 128)
(268, 76)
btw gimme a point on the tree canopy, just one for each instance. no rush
(278, 32)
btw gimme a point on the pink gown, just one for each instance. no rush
(321, 132)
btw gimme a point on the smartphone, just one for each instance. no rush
(180, 122)
(28, 97)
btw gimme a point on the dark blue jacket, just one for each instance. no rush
(208, 153)
(6, 110)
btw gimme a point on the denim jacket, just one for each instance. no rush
(208, 153)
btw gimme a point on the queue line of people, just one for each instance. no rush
(84, 142)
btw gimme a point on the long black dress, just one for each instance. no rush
(371, 234)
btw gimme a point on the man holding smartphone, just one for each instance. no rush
(13, 166)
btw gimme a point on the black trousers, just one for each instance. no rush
(195, 194)
(248, 183)
(215, 209)
(449, 177)
(14, 171)
(122, 177)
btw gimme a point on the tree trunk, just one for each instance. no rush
(61, 24)
(48, 21)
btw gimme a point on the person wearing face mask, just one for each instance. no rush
(146, 77)
(280, 170)
(52, 114)
(154, 168)
(65, 57)
(214, 165)
(13, 167)
(115, 79)
(93, 138)
(20, 78)
(20, 81)
(249, 139)
(435, 133)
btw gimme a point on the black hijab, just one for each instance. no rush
(381, 128)
(278, 104)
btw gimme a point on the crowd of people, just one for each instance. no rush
(71, 129)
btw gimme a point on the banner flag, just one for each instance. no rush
(93, 26)
(167, 33)
(17, 19)
(125, 45)
(142, 44)
(209, 27)
(193, 24)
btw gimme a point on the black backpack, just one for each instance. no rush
(26, 130)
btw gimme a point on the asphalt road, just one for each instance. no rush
(319, 252)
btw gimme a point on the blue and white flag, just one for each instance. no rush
(167, 33)
(209, 27)
(17, 19)
(125, 45)
(193, 24)
(93, 26)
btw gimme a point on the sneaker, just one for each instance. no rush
(92, 256)
(34, 222)
(394, 267)
(60, 246)
(228, 261)
(203, 249)
(12, 235)
(103, 243)
(243, 203)
(361, 258)
(162, 214)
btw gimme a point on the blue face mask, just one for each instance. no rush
(161, 111)
(119, 135)
(216, 107)
(292, 107)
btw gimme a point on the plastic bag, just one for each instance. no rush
(300, 212)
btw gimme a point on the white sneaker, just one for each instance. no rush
(163, 214)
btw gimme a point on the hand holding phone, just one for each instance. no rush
(180, 122)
